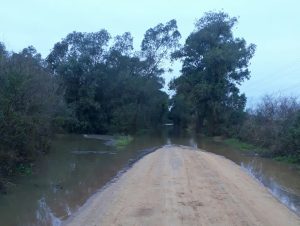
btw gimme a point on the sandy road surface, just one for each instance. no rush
(182, 186)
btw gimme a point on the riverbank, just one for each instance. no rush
(263, 152)
(182, 186)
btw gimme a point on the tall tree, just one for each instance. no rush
(28, 106)
(158, 43)
(112, 88)
(214, 64)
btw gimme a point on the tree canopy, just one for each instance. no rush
(214, 64)
(111, 87)
(89, 83)
(28, 105)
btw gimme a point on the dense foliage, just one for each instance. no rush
(112, 88)
(214, 64)
(207, 94)
(275, 125)
(87, 84)
(28, 104)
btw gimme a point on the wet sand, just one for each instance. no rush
(184, 186)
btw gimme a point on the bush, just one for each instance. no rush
(28, 104)
(274, 124)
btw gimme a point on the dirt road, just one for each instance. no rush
(183, 186)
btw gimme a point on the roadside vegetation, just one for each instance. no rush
(274, 125)
(272, 129)
(29, 103)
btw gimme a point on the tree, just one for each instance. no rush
(214, 64)
(158, 43)
(28, 105)
(123, 44)
(72, 60)
(112, 88)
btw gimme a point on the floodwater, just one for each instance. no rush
(78, 166)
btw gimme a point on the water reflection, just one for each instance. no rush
(284, 195)
(78, 166)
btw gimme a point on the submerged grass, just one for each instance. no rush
(288, 159)
(24, 169)
(123, 141)
(243, 146)
(263, 152)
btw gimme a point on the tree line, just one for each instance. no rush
(89, 83)
(95, 83)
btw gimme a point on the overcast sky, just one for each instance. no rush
(273, 25)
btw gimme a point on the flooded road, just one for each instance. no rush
(183, 186)
(77, 167)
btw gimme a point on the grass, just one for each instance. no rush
(239, 144)
(123, 141)
(24, 169)
(288, 159)
(233, 142)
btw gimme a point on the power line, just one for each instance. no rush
(282, 73)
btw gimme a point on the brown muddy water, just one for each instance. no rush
(78, 166)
